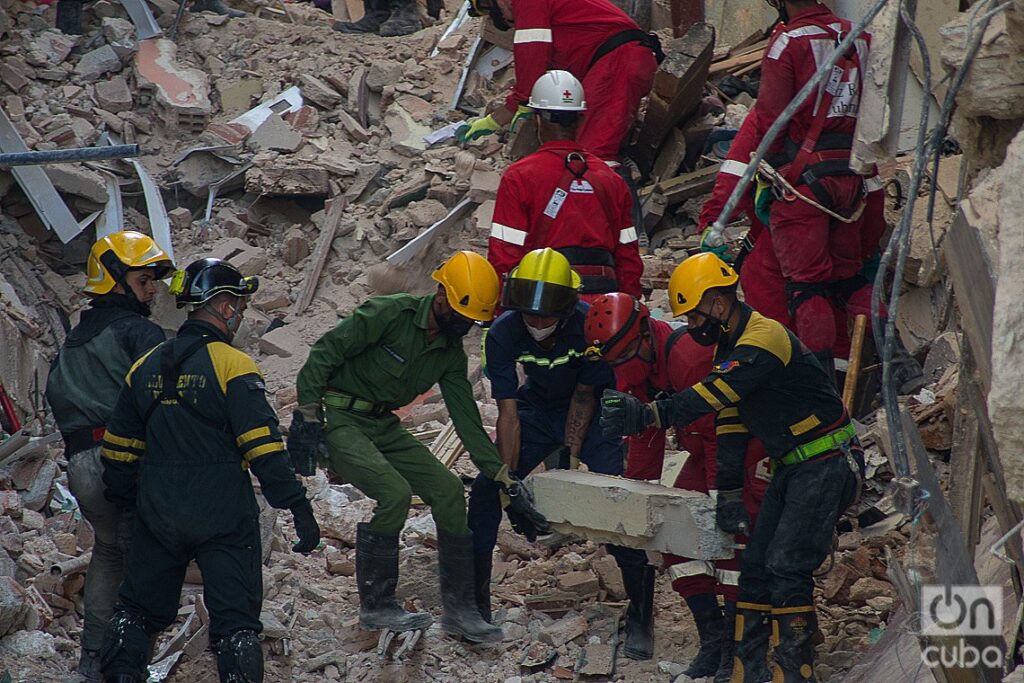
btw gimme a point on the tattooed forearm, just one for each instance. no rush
(581, 412)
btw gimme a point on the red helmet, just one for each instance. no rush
(612, 324)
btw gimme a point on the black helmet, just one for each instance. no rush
(208, 277)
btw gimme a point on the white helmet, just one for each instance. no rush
(557, 91)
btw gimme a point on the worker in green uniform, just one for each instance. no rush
(387, 352)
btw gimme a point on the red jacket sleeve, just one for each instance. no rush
(776, 92)
(646, 453)
(509, 225)
(628, 264)
(532, 48)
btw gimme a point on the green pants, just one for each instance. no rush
(388, 464)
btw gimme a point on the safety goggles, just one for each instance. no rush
(538, 298)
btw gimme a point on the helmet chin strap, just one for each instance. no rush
(233, 322)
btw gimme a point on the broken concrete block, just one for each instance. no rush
(406, 133)
(295, 246)
(271, 298)
(994, 86)
(30, 644)
(583, 583)
(36, 491)
(635, 514)
(304, 120)
(319, 92)
(282, 341)
(425, 213)
(14, 606)
(10, 504)
(114, 95)
(248, 259)
(78, 180)
(180, 218)
(237, 96)
(117, 30)
(352, 127)
(13, 76)
(597, 659)
(383, 72)
(569, 627)
(484, 186)
(610, 575)
(287, 180)
(418, 108)
(339, 521)
(274, 134)
(54, 45)
(181, 94)
(96, 63)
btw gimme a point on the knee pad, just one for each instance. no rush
(799, 293)
(125, 650)
(240, 658)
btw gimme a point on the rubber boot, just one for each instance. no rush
(750, 657)
(89, 667)
(217, 7)
(905, 370)
(792, 631)
(375, 12)
(404, 19)
(377, 578)
(461, 616)
(482, 565)
(69, 20)
(728, 649)
(709, 627)
(639, 583)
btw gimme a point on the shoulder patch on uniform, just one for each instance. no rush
(769, 335)
(725, 367)
(229, 363)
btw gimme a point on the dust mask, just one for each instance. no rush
(543, 333)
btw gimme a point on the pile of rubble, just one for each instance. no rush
(299, 154)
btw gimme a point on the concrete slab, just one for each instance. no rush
(181, 94)
(635, 514)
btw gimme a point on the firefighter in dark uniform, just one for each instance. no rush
(386, 353)
(190, 424)
(82, 389)
(550, 417)
(765, 384)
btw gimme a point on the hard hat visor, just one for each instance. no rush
(196, 285)
(538, 297)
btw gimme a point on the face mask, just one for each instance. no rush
(454, 326)
(541, 334)
(235, 321)
(708, 332)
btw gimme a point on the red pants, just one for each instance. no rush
(691, 577)
(614, 87)
(812, 250)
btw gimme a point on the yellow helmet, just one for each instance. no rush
(113, 256)
(693, 277)
(471, 284)
(542, 284)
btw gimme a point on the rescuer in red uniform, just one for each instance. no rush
(593, 40)
(651, 358)
(564, 197)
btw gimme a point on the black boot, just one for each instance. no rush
(376, 11)
(404, 19)
(905, 370)
(639, 583)
(750, 658)
(728, 649)
(377, 579)
(793, 659)
(69, 17)
(709, 627)
(240, 658)
(217, 7)
(482, 564)
(461, 615)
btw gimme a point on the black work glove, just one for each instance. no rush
(624, 414)
(305, 440)
(730, 513)
(434, 8)
(306, 528)
(520, 506)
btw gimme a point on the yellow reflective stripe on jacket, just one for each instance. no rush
(252, 434)
(550, 362)
(123, 441)
(266, 448)
(726, 390)
(706, 394)
(118, 456)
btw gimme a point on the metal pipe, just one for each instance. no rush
(714, 237)
(71, 155)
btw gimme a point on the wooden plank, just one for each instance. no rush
(677, 91)
(730, 65)
(673, 152)
(320, 253)
(690, 185)
(970, 271)
(966, 469)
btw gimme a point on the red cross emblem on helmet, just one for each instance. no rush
(567, 95)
